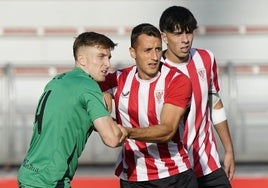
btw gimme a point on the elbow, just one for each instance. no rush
(113, 140)
(168, 136)
(164, 140)
(112, 143)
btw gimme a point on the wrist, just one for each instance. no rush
(128, 132)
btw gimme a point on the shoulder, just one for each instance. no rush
(203, 57)
(127, 69)
(201, 52)
(123, 73)
(171, 70)
(175, 75)
(182, 79)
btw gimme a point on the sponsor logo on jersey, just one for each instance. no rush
(125, 94)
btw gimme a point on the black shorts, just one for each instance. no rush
(183, 180)
(216, 179)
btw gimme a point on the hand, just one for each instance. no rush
(124, 133)
(229, 165)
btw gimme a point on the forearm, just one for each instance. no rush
(117, 133)
(122, 134)
(222, 130)
(229, 156)
(111, 133)
(157, 133)
(163, 132)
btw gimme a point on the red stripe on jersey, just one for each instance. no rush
(120, 82)
(133, 108)
(198, 118)
(119, 167)
(130, 160)
(215, 76)
(211, 161)
(207, 63)
(166, 158)
(211, 68)
(152, 117)
(149, 162)
(209, 134)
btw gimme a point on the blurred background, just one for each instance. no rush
(36, 38)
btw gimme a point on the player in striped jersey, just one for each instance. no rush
(177, 25)
(150, 99)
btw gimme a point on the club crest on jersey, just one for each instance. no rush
(202, 74)
(159, 95)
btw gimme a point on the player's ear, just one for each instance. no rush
(164, 37)
(81, 59)
(132, 52)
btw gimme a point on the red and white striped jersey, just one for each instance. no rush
(198, 136)
(138, 103)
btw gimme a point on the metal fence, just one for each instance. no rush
(244, 88)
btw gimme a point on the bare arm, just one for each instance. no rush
(111, 133)
(108, 101)
(222, 130)
(169, 122)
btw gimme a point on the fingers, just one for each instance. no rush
(231, 172)
(124, 133)
(229, 166)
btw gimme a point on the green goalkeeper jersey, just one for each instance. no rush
(63, 122)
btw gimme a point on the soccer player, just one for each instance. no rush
(177, 25)
(150, 100)
(70, 108)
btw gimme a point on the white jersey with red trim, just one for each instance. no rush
(198, 134)
(138, 103)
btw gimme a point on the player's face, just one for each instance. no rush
(147, 54)
(97, 62)
(178, 45)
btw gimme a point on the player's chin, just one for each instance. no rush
(101, 78)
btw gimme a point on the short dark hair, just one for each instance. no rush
(144, 28)
(177, 17)
(92, 39)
